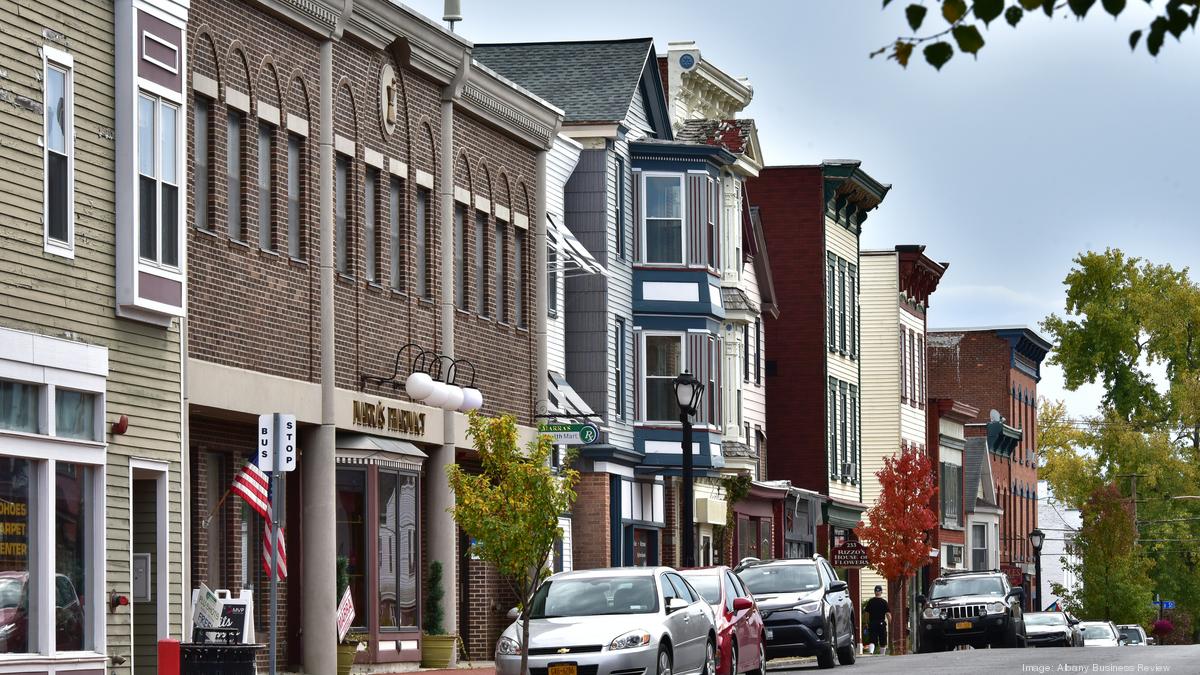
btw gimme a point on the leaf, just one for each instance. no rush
(1048, 7)
(915, 15)
(1154, 40)
(1080, 7)
(987, 10)
(968, 38)
(902, 53)
(886, 3)
(953, 10)
(1114, 7)
(1013, 16)
(1133, 39)
(938, 53)
(1031, 4)
(1177, 21)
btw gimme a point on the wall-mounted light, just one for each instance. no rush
(121, 425)
(433, 380)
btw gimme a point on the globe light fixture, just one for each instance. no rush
(419, 386)
(454, 397)
(472, 399)
(440, 391)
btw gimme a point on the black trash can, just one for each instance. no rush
(217, 659)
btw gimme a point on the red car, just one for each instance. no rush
(741, 642)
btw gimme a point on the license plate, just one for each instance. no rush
(961, 625)
(770, 634)
(562, 669)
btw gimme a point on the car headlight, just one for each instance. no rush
(808, 607)
(996, 608)
(933, 613)
(634, 638)
(508, 646)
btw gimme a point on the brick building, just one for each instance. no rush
(996, 370)
(813, 216)
(367, 203)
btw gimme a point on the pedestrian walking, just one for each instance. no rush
(876, 610)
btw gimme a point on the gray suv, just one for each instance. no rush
(971, 608)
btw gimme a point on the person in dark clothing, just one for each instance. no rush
(876, 610)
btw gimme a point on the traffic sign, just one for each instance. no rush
(285, 442)
(1165, 604)
(570, 434)
(266, 442)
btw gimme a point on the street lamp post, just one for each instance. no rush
(688, 391)
(1036, 539)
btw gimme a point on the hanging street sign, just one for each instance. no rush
(570, 434)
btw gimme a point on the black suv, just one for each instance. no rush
(806, 609)
(971, 608)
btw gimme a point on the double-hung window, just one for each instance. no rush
(295, 198)
(481, 280)
(201, 156)
(266, 162)
(500, 270)
(831, 301)
(664, 360)
(341, 187)
(841, 300)
(831, 421)
(621, 220)
(519, 266)
(158, 180)
(460, 263)
(370, 226)
(619, 367)
(663, 226)
(395, 236)
(59, 123)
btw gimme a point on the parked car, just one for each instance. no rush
(14, 614)
(625, 620)
(1133, 635)
(1052, 629)
(1100, 634)
(806, 609)
(741, 639)
(971, 608)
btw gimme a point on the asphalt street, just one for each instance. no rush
(1181, 660)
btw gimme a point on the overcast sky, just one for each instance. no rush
(1057, 140)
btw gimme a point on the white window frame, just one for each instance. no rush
(60, 60)
(643, 372)
(683, 213)
(181, 185)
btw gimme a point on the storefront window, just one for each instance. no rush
(352, 534)
(74, 414)
(16, 492)
(18, 406)
(397, 539)
(72, 489)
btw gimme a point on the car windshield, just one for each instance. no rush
(591, 596)
(707, 585)
(1045, 619)
(769, 579)
(956, 586)
(1098, 632)
(1132, 635)
(10, 593)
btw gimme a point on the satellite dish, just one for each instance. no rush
(994, 416)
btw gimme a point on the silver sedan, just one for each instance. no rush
(625, 621)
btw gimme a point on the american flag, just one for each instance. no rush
(252, 485)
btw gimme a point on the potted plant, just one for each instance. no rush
(437, 647)
(348, 648)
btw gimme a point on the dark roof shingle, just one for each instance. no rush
(590, 81)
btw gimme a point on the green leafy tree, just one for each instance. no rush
(1071, 473)
(1113, 573)
(511, 508)
(963, 24)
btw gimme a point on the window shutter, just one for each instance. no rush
(903, 367)
(718, 358)
(697, 207)
(697, 365)
(637, 216)
(637, 376)
(714, 213)
(831, 422)
(830, 302)
(921, 368)
(852, 310)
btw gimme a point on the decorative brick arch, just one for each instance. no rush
(345, 110)
(237, 69)
(298, 102)
(204, 58)
(267, 88)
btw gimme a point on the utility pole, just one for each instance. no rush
(1133, 498)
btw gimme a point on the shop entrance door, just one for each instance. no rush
(150, 594)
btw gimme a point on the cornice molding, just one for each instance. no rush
(506, 105)
(323, 18)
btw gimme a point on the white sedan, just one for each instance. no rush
(1100, 634)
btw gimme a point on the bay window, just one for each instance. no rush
(158, 180)
(662, 226)
(664, 360)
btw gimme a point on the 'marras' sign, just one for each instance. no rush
(395, 420)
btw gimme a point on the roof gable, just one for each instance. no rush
(592, 82)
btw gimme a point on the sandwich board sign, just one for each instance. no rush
(345, 615)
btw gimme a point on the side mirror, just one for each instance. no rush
(921, 599)
(741, 604)
(513, 614)
(676, 604)
(837, 586)
(1073, 622)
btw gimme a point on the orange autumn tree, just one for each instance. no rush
(511, 508)
(896, 534)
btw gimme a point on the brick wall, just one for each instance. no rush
(489, 598)
(592, 540)
(791, 204)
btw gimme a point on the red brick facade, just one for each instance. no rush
(591, 547)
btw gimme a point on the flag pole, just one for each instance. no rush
(275, 502)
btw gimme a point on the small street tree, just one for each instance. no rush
(896, 533)
(510, 510)
(1114, 574)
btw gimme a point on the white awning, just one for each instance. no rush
(565, 401)
(356, 448)
(572, 257)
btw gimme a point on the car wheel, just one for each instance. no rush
(761, 669)
(825, 658)
(664, 661)
(847, 654)
(733, 659)
(710, 659)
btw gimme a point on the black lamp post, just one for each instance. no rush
(688, 391)
(1036, 539)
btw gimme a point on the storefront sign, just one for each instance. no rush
(1016, 576)
(207, 612)
(14, 531)
(345, 615)
(570, 434)
(850, 554)
(396, 420)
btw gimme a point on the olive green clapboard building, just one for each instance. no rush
(92, 295)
